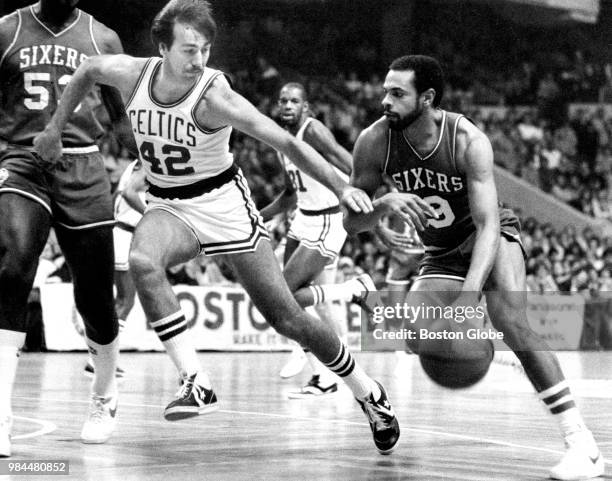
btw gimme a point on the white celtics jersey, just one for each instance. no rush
(174, 149)
(123, 212)
(311, 195)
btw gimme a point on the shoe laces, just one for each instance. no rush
(98, 410)
(379, 414)
(186, 388)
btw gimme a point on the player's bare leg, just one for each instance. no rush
(322, 381)
(506, 303)
(24, 229)
(162, 240)
(93, 294)
(261, 277)
(124, 302)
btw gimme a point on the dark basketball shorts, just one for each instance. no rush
(454, 263)
(77, 193)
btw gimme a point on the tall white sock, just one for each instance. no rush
(351, 373)
(176, 338)
(560, 402)
(10, 344)
(343, 291)
(104, 358)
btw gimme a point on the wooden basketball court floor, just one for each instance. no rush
(496, 430)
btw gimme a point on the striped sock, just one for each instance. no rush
(560, 402)
(343, 291)
(317, 294)
(356, 379)
(174, 335)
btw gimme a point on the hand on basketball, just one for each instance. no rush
(48, 146)
(393, 239)
(356, 200)
(411, 208)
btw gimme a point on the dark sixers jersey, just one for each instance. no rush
(34, 69)
(434, 177)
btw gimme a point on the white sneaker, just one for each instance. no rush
(5, 436)
(582, 458)
(101, 421)
(295, 364)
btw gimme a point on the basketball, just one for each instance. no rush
(461, 366)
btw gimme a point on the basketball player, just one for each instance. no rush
(443, 167)
(41, 46)
(316, 234)
(129, 207)
(198, 201)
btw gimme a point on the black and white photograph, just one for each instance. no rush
(307, 240)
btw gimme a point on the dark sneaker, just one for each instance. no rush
(88, 370)
(384, 425)
(365, 285)
(191, 400)
(314, 388)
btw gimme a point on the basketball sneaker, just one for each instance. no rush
(295, 364)
(101, 421)
(582, 459)
(384, 425)
(313, 388)
(88, 370)
(364, 285)
(191, 400)
(5, 436)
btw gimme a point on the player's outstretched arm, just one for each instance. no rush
(119, 71)
(323, 141)
(368, 158)
(221, 104)
(482, 193)
(109, 43)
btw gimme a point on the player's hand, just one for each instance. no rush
(356, 200)
(393, 239)
(48, 146)
(409, 207)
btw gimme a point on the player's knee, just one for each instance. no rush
(18, 268)
(510, 319)
(142, 265)
(289, 323)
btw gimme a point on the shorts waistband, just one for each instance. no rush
(196, 189)
(330, 210)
